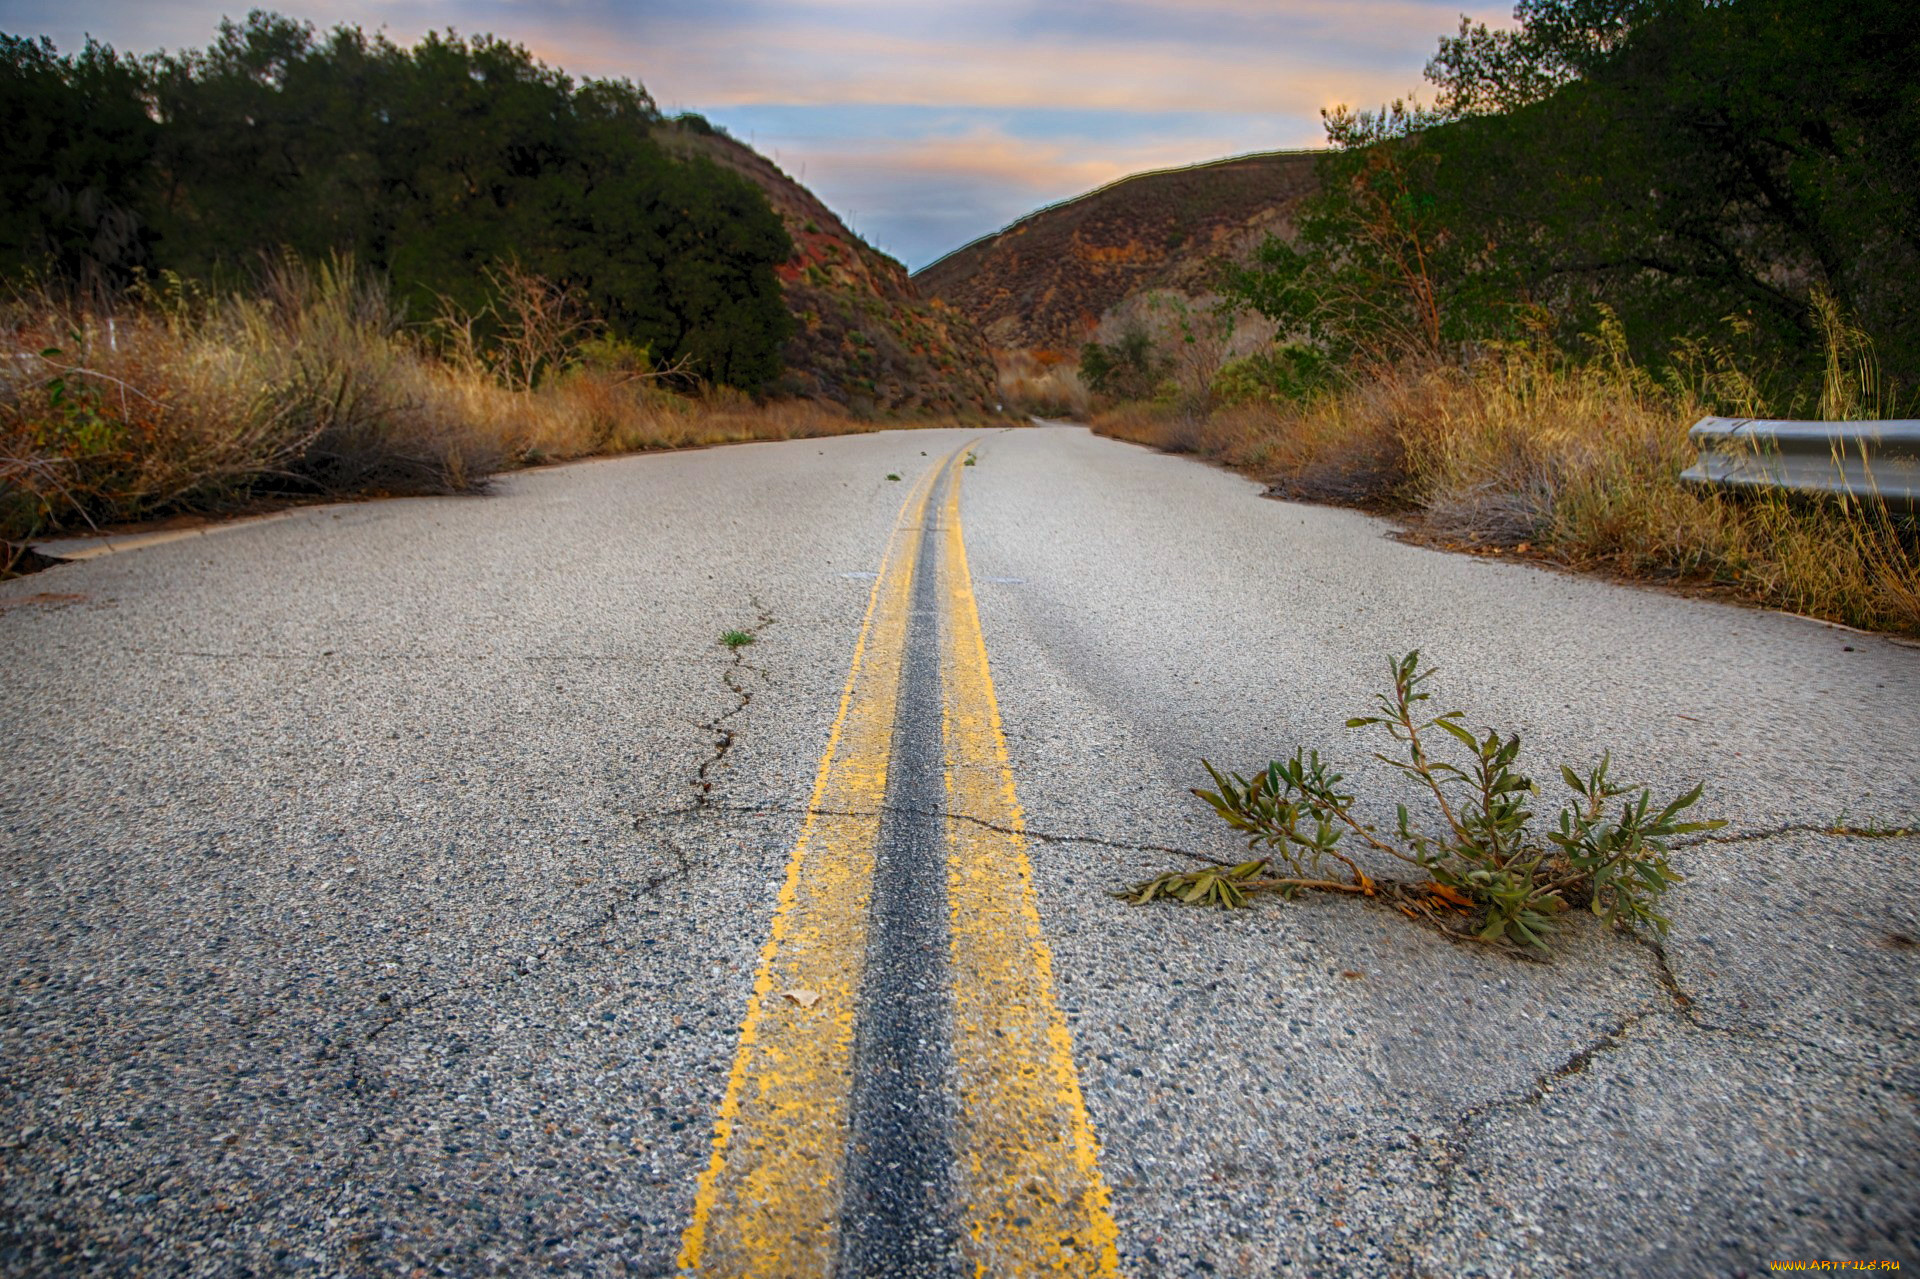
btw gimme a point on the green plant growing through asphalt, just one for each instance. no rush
(892, 476)
(1490, 875)
(736, 639)
(969, 461)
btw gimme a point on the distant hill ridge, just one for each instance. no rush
(867, 336)
(1045, 281)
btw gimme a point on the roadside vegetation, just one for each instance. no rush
(292, 266)
(312, 383)
(1042, 382)
(433, 165)
(1536, 453)
(1488, 873)
(1500, 314)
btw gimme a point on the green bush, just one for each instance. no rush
(1126, 369)
(1284, 375)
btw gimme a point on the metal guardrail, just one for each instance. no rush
(1865, 460)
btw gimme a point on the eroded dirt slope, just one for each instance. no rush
(1045, 282)
(867, 335)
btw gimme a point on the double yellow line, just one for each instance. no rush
(1031, 1200)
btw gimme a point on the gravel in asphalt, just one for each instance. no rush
(365, 910)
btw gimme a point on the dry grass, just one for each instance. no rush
(1578, 464)
(586, 413)
(309, 386)
(1043, 382)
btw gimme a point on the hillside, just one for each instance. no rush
(1046, 281)
(867, 337)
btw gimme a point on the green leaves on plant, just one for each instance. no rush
(1295, 809)
(1624, 859)
(75, 422)
(1221, 886)
(1481, 857)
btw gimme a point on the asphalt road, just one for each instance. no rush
(384, 888)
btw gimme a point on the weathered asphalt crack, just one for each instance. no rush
(724, 738)
(1682, 1008)
(1907, 829)
(1687, 1008)
(1466, 1125)
(690, 811)
(1458, 1142)
(1131, 846)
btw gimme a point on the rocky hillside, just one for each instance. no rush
(1045, 282)
(867, 336)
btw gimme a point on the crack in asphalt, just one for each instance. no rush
(683, 866)
(1459, 1139)
(1835, 829)
(702, 780)
(897, 810)
(1683, 1010)
(642, 820)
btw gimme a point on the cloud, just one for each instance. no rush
(919, 182)
(1366, 52)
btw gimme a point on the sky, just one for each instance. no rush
(924, 125)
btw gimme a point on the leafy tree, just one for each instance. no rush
(1722, 158)
(1379, 269)
(1482, 71)
(79, 151)
(1684, 162)
(440, 164)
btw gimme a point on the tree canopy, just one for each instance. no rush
(432, 162)
(1697, 166)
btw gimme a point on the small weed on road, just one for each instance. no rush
(737, 639)
(892, 476)
(1488, 874)
(969, 461)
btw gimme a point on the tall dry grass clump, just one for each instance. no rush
(177, 401)
(330, 348)
(1576, 462)
(589, 412)
(312, 384)
(114, 417)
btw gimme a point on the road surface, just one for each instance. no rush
(421, 887)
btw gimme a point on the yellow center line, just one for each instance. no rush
(1034, 1201)
(768, 1203)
